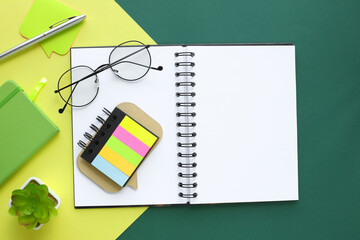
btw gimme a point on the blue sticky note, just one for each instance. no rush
(109, 170)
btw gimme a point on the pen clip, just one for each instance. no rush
(61, 21)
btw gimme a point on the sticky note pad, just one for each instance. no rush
(119, 147)
(43, 14)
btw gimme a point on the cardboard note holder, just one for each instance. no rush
(101, 179)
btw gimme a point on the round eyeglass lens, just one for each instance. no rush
(130, 60)
(82, 93)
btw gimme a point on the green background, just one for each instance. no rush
(326, 35)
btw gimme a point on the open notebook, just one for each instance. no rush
(245, 125)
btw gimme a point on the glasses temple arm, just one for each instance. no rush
(61, 110)
(118, 61)
(159, 68)
(90, 75)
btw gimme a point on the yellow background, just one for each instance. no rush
(106, 24)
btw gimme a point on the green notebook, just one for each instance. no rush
(24, 129)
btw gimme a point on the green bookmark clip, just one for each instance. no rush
(37, 89)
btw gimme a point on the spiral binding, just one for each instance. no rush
(186, 144)
(88, 136)
(182, 74)
(183, 94)
(193, 134)
(184, 195)
(187, 175)
(183, 64)
(179, 54)
(100, 119)
(179, 114)
(81, 144)
(191, 185)
(186, 126)
(185, 155)
(187, 165)
(185, 104)
(93, 127)
(185, 84)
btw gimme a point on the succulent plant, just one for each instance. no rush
(32, 205)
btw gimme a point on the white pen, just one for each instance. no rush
(55, 28)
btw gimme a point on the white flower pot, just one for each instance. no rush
(39, 182)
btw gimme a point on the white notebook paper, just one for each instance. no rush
(246, 130)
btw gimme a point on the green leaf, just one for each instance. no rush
(26, 220)
(21, 211)
(43, 190)
(48, 202)
(19, 200)
(30, 188)
(12, 210)
(45, 220)
(33, 200)
(19, 192)
(28, 209)
(35, 192)
(41, 212)
(32, 225)
(53, 212)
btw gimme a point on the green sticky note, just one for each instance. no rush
(43, 14)
(124, 151)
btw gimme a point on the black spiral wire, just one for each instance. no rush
(186, 159)
(93, 127)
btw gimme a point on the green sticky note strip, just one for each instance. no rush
(43, 14)
(124, 151)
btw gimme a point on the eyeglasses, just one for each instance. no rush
(130, 61)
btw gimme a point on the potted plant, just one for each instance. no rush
(34, 204)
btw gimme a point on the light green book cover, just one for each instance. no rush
(24, 129)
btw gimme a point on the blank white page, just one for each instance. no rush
(155, 94)
(246, 123)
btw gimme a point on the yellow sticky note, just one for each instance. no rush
(43, 14)
(138, 131)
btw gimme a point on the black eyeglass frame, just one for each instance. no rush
(104, 67)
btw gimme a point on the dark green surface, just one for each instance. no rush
(327, 39)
